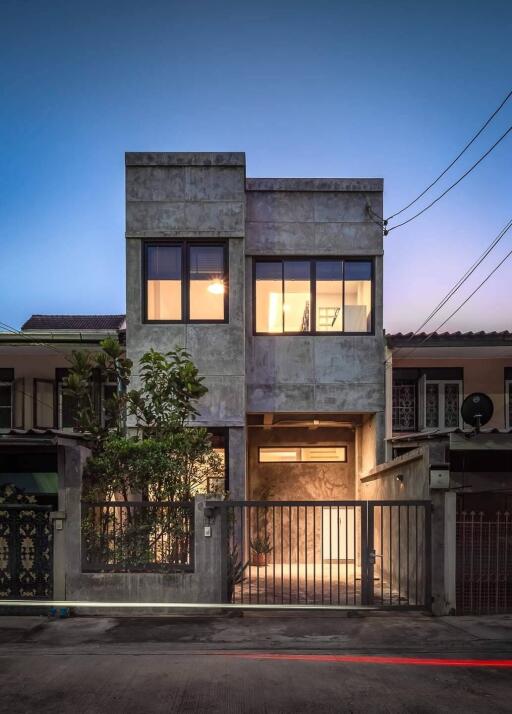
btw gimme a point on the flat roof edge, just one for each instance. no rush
(314, 184)
(201, 158)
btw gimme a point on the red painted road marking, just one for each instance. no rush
(369, 659)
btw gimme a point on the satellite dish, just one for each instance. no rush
(477, 409)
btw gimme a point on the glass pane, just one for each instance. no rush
(109, 391)
(44, 405)
(68, 406)
(207, 286)
(329, 296)
(358, 296)
(451, 405)
(279, 455)
(432, 405)
(269, 297)
(323, 453)
(297, 296)
(404, 407)
(5, 417)
(163, 282)
(5, 395)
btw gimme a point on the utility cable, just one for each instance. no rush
(460, 282)
(461, 178)
(496, 267)
(463, 279)
(475, 137)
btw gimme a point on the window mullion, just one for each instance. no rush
(343, 296)
(441, 393)
(283, 296)
(185, 281)
(312, 295)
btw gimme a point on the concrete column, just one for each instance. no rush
(237, 460)
(443, 552)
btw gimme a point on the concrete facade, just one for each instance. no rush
(206, 196)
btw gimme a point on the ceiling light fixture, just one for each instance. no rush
(216, 287)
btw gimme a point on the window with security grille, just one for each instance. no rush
(404, 405)
(442, 404)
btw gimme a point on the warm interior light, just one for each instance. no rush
(216, 287)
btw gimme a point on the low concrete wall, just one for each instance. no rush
(406, 477)
(203, 585)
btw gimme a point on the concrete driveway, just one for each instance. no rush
(255, 663)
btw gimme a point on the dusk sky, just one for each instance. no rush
(348, 89)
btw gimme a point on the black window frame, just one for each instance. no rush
(185, 245)
(7, 380)
(313, 260)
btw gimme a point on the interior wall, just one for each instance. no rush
(301, 481)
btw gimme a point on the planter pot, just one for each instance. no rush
(258, 559)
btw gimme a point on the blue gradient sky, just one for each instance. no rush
(391, 89)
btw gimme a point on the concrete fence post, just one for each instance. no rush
(443, 552)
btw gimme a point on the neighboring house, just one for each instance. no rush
(34, 362)
(428, 380)
(466, 473)
(274, 286)
(33, 406)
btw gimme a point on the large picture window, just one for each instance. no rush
(185, 282)
(313, 296)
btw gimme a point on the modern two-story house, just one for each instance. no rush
(274, 286)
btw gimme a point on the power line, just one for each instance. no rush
(432, 203)
(466, 275)
(475, 137)
(12, 330)
(496, 267)
(460, 282)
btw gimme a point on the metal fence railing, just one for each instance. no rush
(484, 562)
(137, 536)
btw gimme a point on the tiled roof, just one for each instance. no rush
(74, 322)
(401, 339)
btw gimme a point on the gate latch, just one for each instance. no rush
(372, 556)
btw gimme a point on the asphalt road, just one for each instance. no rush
(222, 665)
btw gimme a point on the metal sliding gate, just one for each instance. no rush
(328, 552)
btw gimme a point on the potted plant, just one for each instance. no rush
(261, 549)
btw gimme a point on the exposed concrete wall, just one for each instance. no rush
(303, 481)
(202, 585)
(315, 374)
(370, 443)
(382, 482)
(180, 196)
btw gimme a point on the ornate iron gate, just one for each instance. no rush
(347, 553)
(26, 551)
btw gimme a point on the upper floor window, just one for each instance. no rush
(6, 397)
(404, 405)
(426, 398)
(313, 296)
(185, 282)
(508, 403)
(442, 404)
